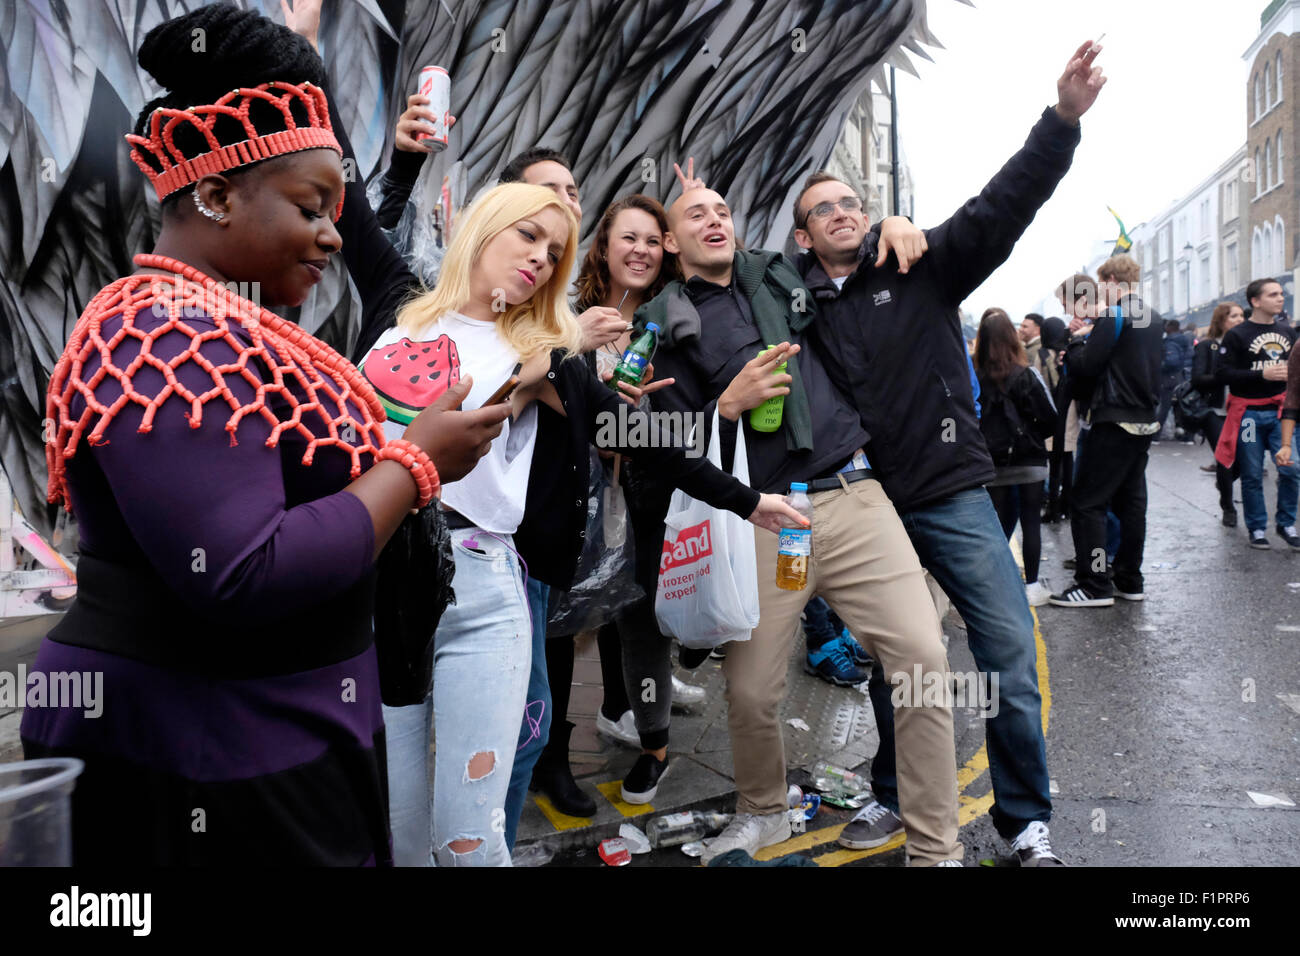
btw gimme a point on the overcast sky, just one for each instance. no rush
(1173, 109)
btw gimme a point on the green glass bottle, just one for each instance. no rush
(631, 367)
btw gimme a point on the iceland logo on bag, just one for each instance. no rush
(692, 544)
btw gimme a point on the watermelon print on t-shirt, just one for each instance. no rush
(409, 376)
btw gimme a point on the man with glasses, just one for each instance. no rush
(893, 342)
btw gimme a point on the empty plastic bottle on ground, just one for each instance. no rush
(631, 367)
(794, 548)
(827, 776)
(678, 828)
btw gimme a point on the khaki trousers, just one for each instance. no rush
(864, 566)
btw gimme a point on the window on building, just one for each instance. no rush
(1230, 268)
(1205, 215)
(1259, 175)
(1280, 263)
(1268, 87)
(1164, 291)
(1259, 91)
(1279, 76)
(1266, 249)
(1204, 276)
(1164, 244)
(1268, 165)
(1279, 178)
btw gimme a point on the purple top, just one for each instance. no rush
(243, 534)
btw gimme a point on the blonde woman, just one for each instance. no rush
(499, 310)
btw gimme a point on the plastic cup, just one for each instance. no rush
(35, 812)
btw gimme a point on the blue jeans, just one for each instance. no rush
(480, 676)
(960, 542)
(536, 729)
(1251, 448)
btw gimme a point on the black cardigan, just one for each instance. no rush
(550, 537)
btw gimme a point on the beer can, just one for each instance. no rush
(436, 85)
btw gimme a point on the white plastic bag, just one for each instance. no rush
(708, 573)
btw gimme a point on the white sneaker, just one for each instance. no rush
(749, 832)
(624, 732)
(1032, 847)
(1036, 594)
(687, 695)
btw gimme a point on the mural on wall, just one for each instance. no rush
(756, 92)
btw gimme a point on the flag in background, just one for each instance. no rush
(1123, 243)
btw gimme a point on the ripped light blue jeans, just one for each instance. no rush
(482, 656)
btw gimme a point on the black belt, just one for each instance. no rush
(457, 521)
(832, 483)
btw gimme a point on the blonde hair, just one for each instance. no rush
(540, 324)
(1120, 268)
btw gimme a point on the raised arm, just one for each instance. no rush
(979, 237)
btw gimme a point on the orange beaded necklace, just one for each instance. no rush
(289, 355)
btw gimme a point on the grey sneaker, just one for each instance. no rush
(749, 832)
(875, 825)
(1032, 848)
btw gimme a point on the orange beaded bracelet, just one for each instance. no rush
(412, 457)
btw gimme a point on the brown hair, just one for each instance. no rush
(998, 349)
(592, 284)
(816, 179)
(1220, 319)
(1078, 286)
(1119, 268)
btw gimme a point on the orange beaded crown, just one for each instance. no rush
(172, 169)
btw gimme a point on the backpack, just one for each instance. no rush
(1004, 431)
(1190, 408)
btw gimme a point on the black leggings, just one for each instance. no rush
(1223, 477)
(1023, 503)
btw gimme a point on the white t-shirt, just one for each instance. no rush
(410, 373)
(839, 281)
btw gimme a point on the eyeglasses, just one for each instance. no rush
(824, 209)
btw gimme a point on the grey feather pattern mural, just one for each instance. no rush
(755, 91)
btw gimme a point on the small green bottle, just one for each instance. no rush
(767, 417)
(631, 367)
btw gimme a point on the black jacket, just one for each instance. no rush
(1122, 356)
(894, 344)
(1205, 372)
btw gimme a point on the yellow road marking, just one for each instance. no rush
(561, 821)
(804, 841)
(840, 857)
(613, 791)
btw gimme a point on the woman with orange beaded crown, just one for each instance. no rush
(233, 487)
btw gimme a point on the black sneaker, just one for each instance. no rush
(1079, 596)
(642, 780)
(1130, 593)
(1230, 518)
(1259, 541)
(875, 825)
(1290, 537)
